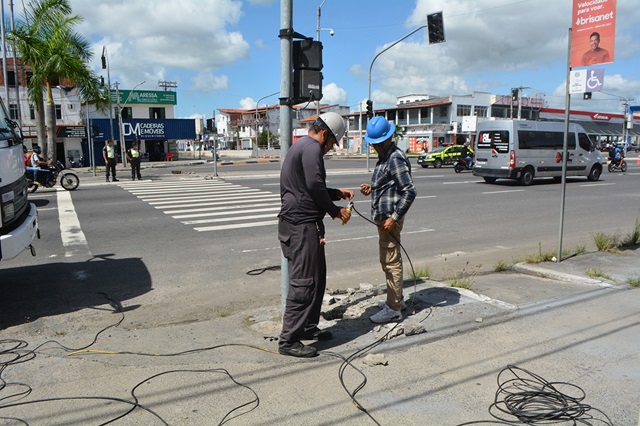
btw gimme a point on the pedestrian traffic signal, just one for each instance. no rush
(436, 28)
(369, 108)
(514, 94)
(587, 96)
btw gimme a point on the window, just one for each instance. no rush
(29, 76)
(529, 139)
(480, 111)
(585, 143)
(13, 111)
(494, 140)
(443, 111)
(58, 112)
(463, 110)
(127, 113)
(32, 112)
(11, 78)
(157, 113)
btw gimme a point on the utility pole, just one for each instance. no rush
(215, 144)
(286, 46)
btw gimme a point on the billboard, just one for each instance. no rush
(593, 32)
(138, 97)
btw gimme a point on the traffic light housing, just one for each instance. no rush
(369, 108)
(307, 64)
(514, 94)
(210, 124)
(435, 23)
(586, 96)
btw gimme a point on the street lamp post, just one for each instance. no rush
(257, 103)
(120, 122)
(105, 65)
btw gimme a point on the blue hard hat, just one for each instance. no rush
(379, 129)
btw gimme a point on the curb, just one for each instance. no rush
(529, 269)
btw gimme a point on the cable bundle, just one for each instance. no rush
(533, 400)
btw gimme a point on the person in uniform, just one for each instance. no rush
(110, 159)
(135, 157)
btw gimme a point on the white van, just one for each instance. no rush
(524, 150)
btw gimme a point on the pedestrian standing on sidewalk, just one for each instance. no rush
(110, 159)
(134, 157)
(392, 192)
(305, 201)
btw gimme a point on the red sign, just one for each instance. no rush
(593, 32)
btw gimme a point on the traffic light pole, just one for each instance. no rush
(371, 67)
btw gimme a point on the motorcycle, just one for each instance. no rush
(617, 165)
(461, 164)
(68, 180)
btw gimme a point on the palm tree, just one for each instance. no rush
(56, 53)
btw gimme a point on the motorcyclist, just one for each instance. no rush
(468, 155)
(617, 156)
(36, 166)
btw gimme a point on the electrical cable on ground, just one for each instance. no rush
(533, 400)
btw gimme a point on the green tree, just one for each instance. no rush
(47, 42)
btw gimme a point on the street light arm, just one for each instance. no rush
(387, 48)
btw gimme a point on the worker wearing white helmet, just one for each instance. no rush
(305, 201)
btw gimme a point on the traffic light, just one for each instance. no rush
(436, 28)
(369, 108)
(307, 75)
(586, 96)
(514, 94)
(210, 124)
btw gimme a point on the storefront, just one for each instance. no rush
(155, 137)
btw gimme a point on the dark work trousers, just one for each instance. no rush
(307, 278)
(111, 167)
(135, 168)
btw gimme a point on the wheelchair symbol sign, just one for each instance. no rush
(588, 80)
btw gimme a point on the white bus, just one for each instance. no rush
(524, 150)
(18, 217)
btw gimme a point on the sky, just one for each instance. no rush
(226, 53)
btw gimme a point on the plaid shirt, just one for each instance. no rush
(392, 190)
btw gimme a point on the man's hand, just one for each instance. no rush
(345, 194)
(365, 189)
(387, 226)
(344, 215)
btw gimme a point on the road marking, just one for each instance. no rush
(42, 209)
(597, 184)
(221, 206)
(235, 226)
(72, 236)
(456, 183)
(230, 219)
(504, 191)
(226, 212)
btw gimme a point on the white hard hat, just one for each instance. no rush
(334, 122)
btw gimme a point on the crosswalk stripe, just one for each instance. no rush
(223, 205)
(242, 225)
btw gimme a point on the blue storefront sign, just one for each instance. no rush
(145, 129)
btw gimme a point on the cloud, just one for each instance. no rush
(332, 94)
(206, 82)
(248, 103)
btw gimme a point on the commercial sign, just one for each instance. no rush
(138, 97)
(147, 129)
(587, 80)
(71, 131)
(593, 32)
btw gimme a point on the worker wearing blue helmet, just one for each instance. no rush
(392, 192)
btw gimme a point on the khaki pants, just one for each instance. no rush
(391, 261)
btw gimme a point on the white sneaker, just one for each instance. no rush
(386, 315)
(403, 305)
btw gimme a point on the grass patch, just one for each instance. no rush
(580, 250)
(501, 266)
(633, 238)
(462, 282)
(541, 256)
(605, 242)
(597, 273)
(421, 272)
(224, 314)
(634, 281)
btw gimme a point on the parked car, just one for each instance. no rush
(442, 155)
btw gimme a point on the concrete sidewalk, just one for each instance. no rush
(551, 319)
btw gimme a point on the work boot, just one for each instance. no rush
(299, 350)
(116, 180)
(386, 315)
(317, 334)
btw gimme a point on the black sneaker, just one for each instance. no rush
(317, 334)
(116, 180)
(299, 350)
(107, 179)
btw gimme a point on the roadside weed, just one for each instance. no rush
(463, 282)
(597, 273)
(541, 256)
(501, 266)
(633, 238)
(581, 250)
(420, 272)
(224, 314)
(605, 242)
(634, 281)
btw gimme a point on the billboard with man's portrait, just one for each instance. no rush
(593, 32)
